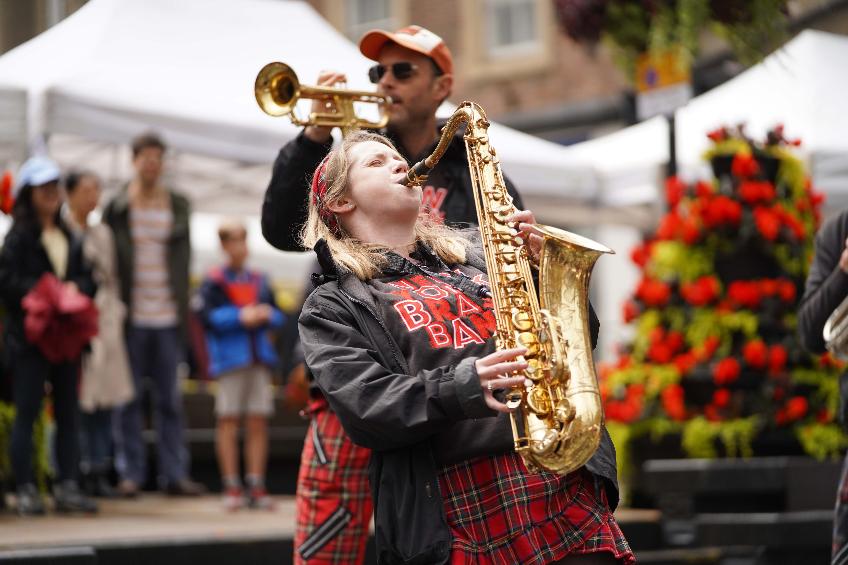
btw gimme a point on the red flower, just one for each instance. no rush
(721, 397)
(704, 189)
(824, 416)
(796, 408)
(631, 311)
(675, 189)
(726, 371)
(777, 359)
(768, 222)
(690, 230)
(711, 412)
(744, 165)
(660, 352)
(670, 226)
(685, 362)
(6, 200)
(744, 293)
(721, 210)
(787, 291)
(675, 340)
(701, 292)
(653, 292)
(754, 192)
(641, 253)
(717, 135)
(672, 401)
(755, 353)
(707, 349)
(626, 410)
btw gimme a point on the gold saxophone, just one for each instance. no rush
(556, 424)
(835, 331)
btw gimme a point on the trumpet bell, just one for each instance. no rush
(277, 89)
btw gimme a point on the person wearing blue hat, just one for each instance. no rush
(37, 243)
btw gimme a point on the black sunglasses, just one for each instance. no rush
(401, 71)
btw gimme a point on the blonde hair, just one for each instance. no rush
(364, 259)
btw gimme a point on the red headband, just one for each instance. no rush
(319, 193)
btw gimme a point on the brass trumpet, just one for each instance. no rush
(278, 90)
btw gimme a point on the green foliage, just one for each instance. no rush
(674, 260)
(822, 441)
(701, 437)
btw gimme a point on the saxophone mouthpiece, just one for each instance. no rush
(417, 174)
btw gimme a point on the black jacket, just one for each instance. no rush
(827, 284)
(357, 364)
(23, 260)
(284, 209)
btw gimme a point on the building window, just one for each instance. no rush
(365, 15)
(512, 27)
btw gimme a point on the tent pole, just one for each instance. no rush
(671, 169)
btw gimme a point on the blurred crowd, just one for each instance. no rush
(96, 312)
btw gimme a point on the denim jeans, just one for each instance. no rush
(154, 353)
(95, 440)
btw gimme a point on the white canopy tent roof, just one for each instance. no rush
(802, 85)
(186, 68)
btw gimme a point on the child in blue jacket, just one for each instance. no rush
(238, 313)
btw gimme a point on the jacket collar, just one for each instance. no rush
(121, 206)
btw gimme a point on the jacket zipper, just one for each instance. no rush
(400, 365)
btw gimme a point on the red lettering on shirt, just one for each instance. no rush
(463, 334)
(441, 310)
(432, 199)
(413, 314)
(465, 305)
(439, 336)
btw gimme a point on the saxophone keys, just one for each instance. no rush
(513, 399)
(564, 412)
(521, 321)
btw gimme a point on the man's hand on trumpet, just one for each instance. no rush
(321, 134)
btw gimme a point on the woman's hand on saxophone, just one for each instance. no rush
(493, 370)
(525, 220)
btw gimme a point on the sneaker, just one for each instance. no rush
(127, 488)
(68, 497)
(259, 499)
(185, 487)
(233, 499)
(30, 501)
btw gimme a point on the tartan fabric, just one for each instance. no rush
(501, 514)
(333, 499)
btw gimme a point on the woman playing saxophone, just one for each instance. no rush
(399, 335)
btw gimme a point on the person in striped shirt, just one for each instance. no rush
(151, 227)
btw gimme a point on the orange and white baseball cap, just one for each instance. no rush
(416, 38)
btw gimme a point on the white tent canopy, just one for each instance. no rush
(802, 85)
(186, 68)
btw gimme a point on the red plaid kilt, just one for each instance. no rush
(334, 505)
(499, 513)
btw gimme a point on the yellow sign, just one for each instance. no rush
(660, 70)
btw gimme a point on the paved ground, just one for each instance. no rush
(158, 518)
(150, 517)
